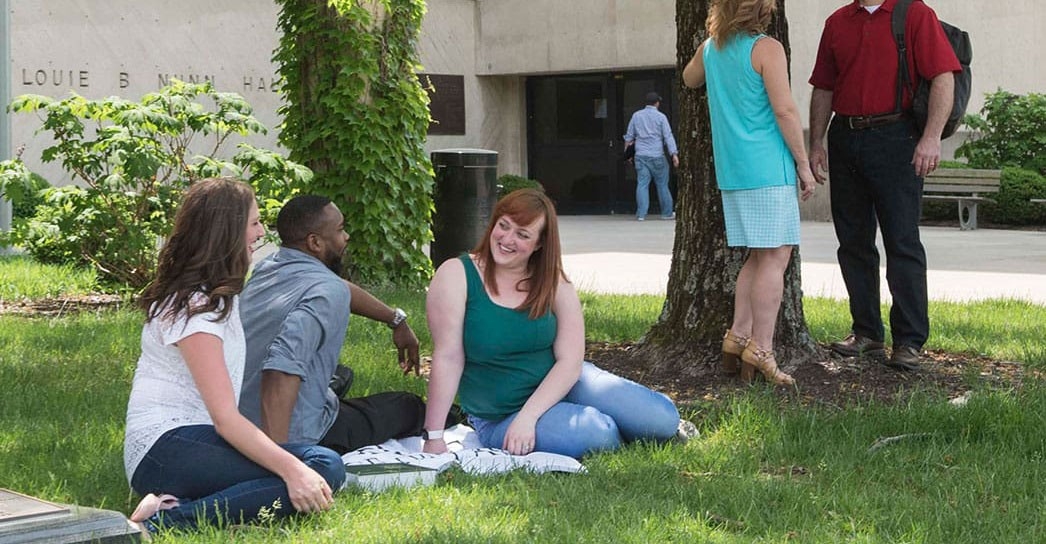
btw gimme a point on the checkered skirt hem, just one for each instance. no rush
(766, 217)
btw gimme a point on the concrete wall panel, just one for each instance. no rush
(495, 106)
(550, 36)
(129, 48)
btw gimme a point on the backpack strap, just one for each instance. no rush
(897, 23)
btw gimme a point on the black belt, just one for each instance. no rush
(861, 122)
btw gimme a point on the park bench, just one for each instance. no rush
(965, 186)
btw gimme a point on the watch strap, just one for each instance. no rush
(398, 317)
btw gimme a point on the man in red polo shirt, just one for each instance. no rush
(877, 163)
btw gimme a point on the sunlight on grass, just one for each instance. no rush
(763, 469)
(21, 277)
(618, 318)
(1002, 329)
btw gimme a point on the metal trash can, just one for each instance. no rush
(465, 194)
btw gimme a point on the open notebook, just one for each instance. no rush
(401, 462)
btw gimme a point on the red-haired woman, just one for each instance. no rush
(509, 339)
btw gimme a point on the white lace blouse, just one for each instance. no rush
(163, 395)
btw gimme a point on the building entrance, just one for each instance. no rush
(576, 125)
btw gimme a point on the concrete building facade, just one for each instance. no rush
(547, 84)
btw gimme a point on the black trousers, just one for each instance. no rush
(873, 182)
(367, 421)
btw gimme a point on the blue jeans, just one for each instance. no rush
(215, 483)
(600, 412)
(655, 168)
(873, 182)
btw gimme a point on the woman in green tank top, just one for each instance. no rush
(509, 340)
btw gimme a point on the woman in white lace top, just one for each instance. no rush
(187, 449)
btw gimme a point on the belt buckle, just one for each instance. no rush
(856, 122)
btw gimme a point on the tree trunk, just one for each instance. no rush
(700, 300)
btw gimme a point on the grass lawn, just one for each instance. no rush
(760, 472)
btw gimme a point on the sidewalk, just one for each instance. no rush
(617, 254)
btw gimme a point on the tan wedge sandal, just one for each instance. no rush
(754, 357)
(733, 345)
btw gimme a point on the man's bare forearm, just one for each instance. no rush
(279, 395)
(942, 96)
(820, 114)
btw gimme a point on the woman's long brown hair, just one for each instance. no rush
(206, 253)
(545, 266)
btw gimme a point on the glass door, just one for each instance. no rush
(571, 121)
(576, 126)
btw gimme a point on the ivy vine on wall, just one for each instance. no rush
(356, 114)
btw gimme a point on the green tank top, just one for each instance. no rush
(507, 354)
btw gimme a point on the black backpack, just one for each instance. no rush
(960, 42)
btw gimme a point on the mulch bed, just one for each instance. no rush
(54, 307)
(834, 381)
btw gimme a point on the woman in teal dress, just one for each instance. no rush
(757, 141)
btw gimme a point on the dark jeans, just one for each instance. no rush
(215, 483)
(372, 420)
(873, 181)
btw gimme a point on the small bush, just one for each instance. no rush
(25, 198)
(1010, 131)
(511, 182)
(131, 161)
(1012, 206)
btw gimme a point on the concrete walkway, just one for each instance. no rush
(617, 254)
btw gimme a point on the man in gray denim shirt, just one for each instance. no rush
(295, 311)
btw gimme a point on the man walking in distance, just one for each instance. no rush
(648, 130)
(876, 160)
(295, 311)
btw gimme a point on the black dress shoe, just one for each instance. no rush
(856, 345)
(904, 358)
(341, 381)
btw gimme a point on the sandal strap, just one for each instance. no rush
(764, 360)
(735, 337)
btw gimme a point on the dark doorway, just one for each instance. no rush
(576, 127)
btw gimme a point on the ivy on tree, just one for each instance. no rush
(357, 115)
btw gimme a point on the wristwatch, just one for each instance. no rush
(398, 317)
(432, 435)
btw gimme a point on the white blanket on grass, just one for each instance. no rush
(465, 451)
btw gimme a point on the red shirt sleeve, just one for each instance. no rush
(825, 70)
(928, 44)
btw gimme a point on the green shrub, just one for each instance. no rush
(511, 182)
(1011, 131)
(130, 162)
(938, 210)
(26, 188)
(1012, 206)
